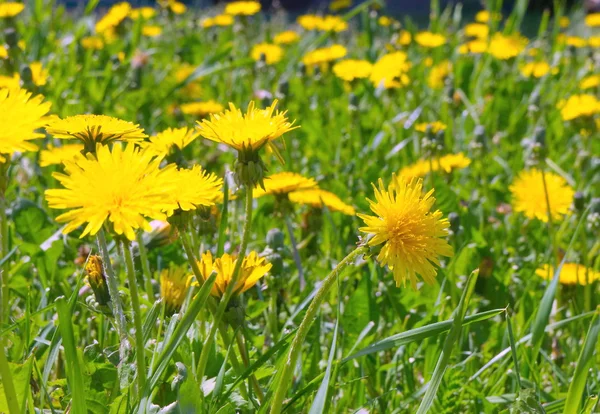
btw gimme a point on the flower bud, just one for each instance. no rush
(454, 220)
(235, 314)
(96, 277)
(275, 239)
(579, 201)
(11, 37)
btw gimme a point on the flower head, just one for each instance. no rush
(579, 106)
(115, 15)
(324, 55)
(195, 188)
(446, 163)
(590, 82)
(10, 9)
(94, 270)
(434, 127)
(506, 47)
(318, 198)
(221, 20)
(39, 74)
(201, 108)
(284, 183)
(570, 274)
(151, 30)
(412, 235)
(593, 20)
(174, 285)
(123, 186)
(20, 115)
(529, 197)
(145, 13)
(478, 30)
(92, 43)
(93, 129)
(58, 155)
(475, 47)
(3, 52)
(390, 70)
(163, 142)
(351, 69)
(242, 8)
(484, 16)
(430, 40)
(253, 268)
(271, 53)
(286, 38)
(535, 69)
(438, 74)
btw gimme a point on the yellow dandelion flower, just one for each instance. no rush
(242, 8)
(430, 40)
(570, 274)
(318, 198)
(404, 38)
(385, 21)
(574, 41)
(579, 106)
(10, 82)
(475, 47)
(594, 41)
(411, 234)
(151, 31)
(535, 69)
(332, 24)
(20, 116)
(506, 47)
(174, 285)
(564, 22)
(484, 16)
(337, 5)
(201, 108)
(451, 162)
(183, 72)
(58, 155)
(324, 55)
(529, 197)
(284, 183)
(593, 20)
(420, 168)
(589, 82)
(162, 143)
(174, 6)
(446, 163)
(246, 132)
(96, 278)
(93, 129)
(3, 52)
(308, 21)
(286, 38)
(92, 43)
(123, 186)
(221, 20)
(478, 30)
(253, 268)
(271, 53)
(115, 15)
(38, 73)
(434, 127)
(10, 9)
(195, 188)
(351, 69)
(145, 13)
(390, 70)
(438, 74)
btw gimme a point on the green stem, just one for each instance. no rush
(295, 253)
(137, 317)
(309, 317)
(230, 287)
(4, 303)
(191, 256)
(550, 222)
(241, 343)
(145, 268)
(7, 382)
(233, 359)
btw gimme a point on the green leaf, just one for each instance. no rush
(21, 374)
(31, 221)
(577, 385)
(320, 400)
(444, 359)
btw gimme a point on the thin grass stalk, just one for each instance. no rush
(309, 317)
(145, 267)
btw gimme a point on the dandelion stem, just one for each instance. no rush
(241, 343)
(7, 382)
(309, 317)
(145, 267)
(550, 222)
(295, 252)
(230, 287)
(137, 317)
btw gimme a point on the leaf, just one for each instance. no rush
(21, 374)
(357, 312)
(319, 402)
(31, 221)
(444, 359)
(577, 385)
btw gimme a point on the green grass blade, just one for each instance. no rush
(444, 359)
(513, 349)
(74, 373)
(320, 400)
(223, 223)
(584, 362)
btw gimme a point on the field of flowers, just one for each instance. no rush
(233, 210)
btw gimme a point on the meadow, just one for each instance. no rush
(235, 210)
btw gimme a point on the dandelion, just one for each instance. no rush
(58, 155)
(318, 198)
(10, 9)
(535, 69)
(564, 22)
(308, 21)
(162, 143)
(478, 30)
(201, 108)
(590, 82)
(174, 6)
(337, 5)
(10, 82)
(593, 20)
(324, 55)
(351, 69)
(114, 17)
(430, 40)
(3, 52)
(484, 16)
(145, 13)
(152, 31)
(390, 70)
(252, 269)
(433, 127)
(242, 8)
(96, 278)
(446, 163)
(529, 196)
(577, 106)
(594, 41)
(284, 183)
(20, 116)
(570, 274)
(195, 188)
(94, 129)
(92, 43)
(332, 24)
(191, 88)
(174, 285)
(286, 38)
(270, 53)
(39, 75)
(475, 47)
(438, 74)
(506, 47)
(411, 234)
(385, 21)
(121, 186)
(573, 41)
(404, 38)
(221, 20)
